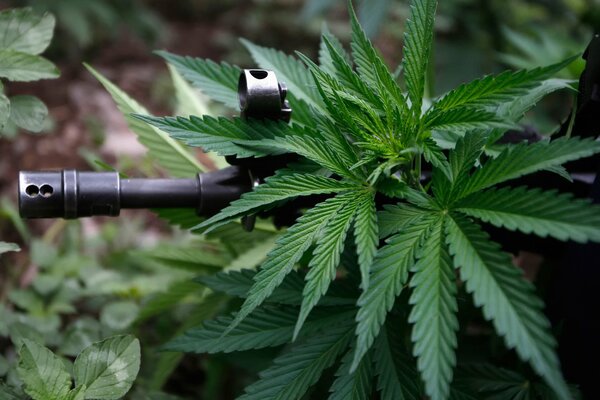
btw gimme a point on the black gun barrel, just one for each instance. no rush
(73, 194)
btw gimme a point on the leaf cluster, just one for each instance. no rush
(24, 35)
(371, 140)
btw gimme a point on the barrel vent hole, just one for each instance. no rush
(32, 190)
(259, 73)
(46, 191)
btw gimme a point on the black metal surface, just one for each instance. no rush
(72, 194)
(262, 96)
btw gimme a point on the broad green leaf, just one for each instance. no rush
(43, 374)
(418, 41)
(24, 30)
(6, 247)
(294, 372)
(494, 89)
(23, 67)
(397, 376)
(28, 112)
(545, 213)
(433, 313)
(221, 135)
(168, 152)
(288, 70)
(268, 326)
(4, 110)
(326, 256)
(507, 299)
(275, 190)
(119, 315)
(388, 276)
(289, 249)
(108, 368)
(523, 159)
(366, 237)
(194, 257)
(217, 81)
(357, 385)
(253, 256)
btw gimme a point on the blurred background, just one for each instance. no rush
(75, 282)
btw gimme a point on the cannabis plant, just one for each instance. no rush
(366, 141)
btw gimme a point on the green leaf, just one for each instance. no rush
(6, 247)
(221, 135)
(545, 213)
(238, 283)
(397, 377)
(24, 30)
(515, 110)
(388, 276)
(326, 256)
(23, 67)
(433, 154)
(418, 41)
(325, 60)
(493, 89)
(168, 152)
(288, 251)
(28, 112)
(366, 237)
(355, 385)
(522, 159)
(119, 315)
(268, 326)
(507, 299)
(293, 373)
(396, 217)
(43, 374)
(313, 149)
(108, 368)
(4, 110)
(464, 119)
(434, 314)
(288, 70)
(370, 64)
(275, 190)
(175, 294)
(217, 81)
(7, 393)
(188, 99)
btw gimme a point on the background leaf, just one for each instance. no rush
(43, 373)
(167, 151)
(108, 368)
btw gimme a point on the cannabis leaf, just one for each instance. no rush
(506, 298)
(295, 371)
(362, 142)
(418, 40)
